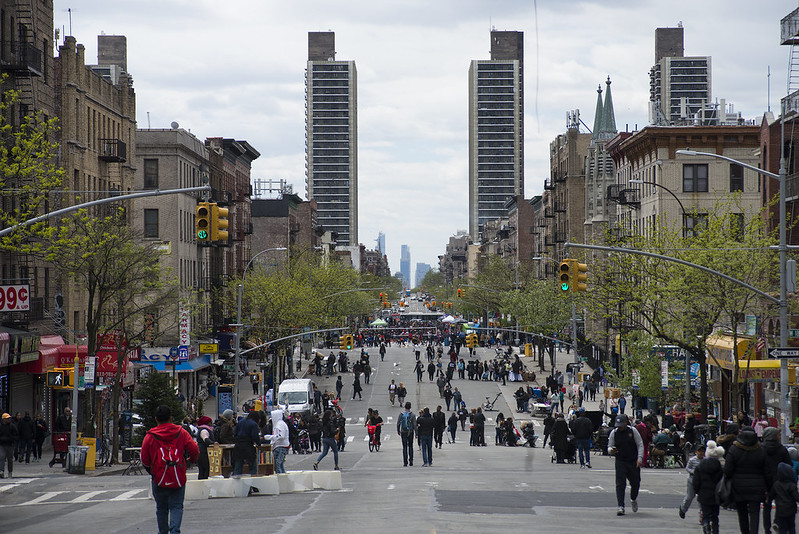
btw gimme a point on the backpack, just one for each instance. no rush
(168, 462)
(405, 422)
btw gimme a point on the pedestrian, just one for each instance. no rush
(401, 392)
(425, 426)
(382, 351)
(785, 496)
(440, 423)
(479, 428)
(205, 438)
(223, 430)
(622, 404)
(279, 439)
(356, 388)
(431, 370)
(705, 478)
(329, 431)
(27, 430)
(626, 445)
(447, 395)
(463, 414)
(690, 467)
(246, 435)
(367, 371)
(560, 437)
(549, 422)
(8, 436)
(457, 396)
(40, 434)
(339, 387)
(419, 371)
(583, 429)
(406, 426)
(776, 453)
(317, 399)
(746, 465)
(452, 426)
(392, 392)
(163, 453)
(255, 380)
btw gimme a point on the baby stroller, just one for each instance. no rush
(571, 451)
(304, 442)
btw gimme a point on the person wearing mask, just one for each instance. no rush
(626, 445)
(746, 465)
(280, 440)
(205, 438)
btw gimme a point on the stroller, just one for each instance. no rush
(304, 442)
(571, 451)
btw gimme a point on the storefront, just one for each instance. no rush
(722, 360)
(18, 385)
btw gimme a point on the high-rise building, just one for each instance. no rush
(679, 86)
(421, 270)
(381, 242)
(496, 129)
(331, 142)
(405, 264)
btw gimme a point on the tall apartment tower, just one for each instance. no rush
(331, 137)
(496, 129)
(405, 264)
(679, 86)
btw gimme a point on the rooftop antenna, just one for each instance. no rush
(148, 120)
(69, 10)
(768, 88)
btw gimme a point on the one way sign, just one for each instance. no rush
(784, 352)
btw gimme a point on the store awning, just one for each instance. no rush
(184, 367)
(763, 371)
(720, 349)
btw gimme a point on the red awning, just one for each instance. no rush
(48, 358)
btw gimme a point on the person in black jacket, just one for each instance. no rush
(424, 428)
(549, 422)
(706, 476)
(560, 432)
(329, 429)
(583, 429)
(39, 435)
(452, 423)
(747, 466)
(8, 436)
(786, 497)
(776, 453)
(27, 431)
(440, 420)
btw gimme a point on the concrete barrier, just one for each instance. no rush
(291, 482)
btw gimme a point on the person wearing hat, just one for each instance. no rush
(705, 478)
(8, 436)
(205, 437)
(226, 424)
(776, 453)
(626, 445)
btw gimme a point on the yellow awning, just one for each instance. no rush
(720, 348)
(764, 371)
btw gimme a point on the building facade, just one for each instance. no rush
(331, 143)
(405, 265)
(599, 169)
(496, 129)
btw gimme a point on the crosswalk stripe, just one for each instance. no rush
(361, 420)
(349, 439)
(7, 487)
(43, 497)
(127, 495)
(87, 496)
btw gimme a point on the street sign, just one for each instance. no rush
(183, 353)
(209, 348)
(173, 353)
(793, 332)
(784, 352)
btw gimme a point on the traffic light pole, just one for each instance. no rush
(74, 425)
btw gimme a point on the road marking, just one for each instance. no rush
(86, 496)
(7, 487)
(361, 420)
(21, 480)
(646, 491)
(600, 488)
(43, 497)
(390, 487)
(389, 419)
(349, 439)
(127, 495)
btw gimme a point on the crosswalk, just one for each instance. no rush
(70, 496)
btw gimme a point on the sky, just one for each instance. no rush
(236, 69)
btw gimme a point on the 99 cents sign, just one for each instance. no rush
(15, 298)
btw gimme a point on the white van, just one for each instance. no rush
(295, 395)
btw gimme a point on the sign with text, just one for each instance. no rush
(184, 325)
(664, 374)
(15, 298)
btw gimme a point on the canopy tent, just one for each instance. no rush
(378, 322)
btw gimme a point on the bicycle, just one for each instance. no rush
(103, 454)
(374, 444)
(488, 405)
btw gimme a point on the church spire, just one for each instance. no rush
(598, 113)
(608, 116)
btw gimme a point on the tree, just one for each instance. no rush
(157, 389)
(676, 304)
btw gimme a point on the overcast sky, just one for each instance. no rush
(236, 69)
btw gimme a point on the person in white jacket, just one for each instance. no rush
(280, 440)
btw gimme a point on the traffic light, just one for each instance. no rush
(471, 340)
(203, 223)
(342, 342)
(580, 276)
(349, 341)
(461, 293)
(56, 379)
(219, 223)
(565, 271)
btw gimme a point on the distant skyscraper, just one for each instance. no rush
(496, 129)
(331, 138)
(679, 86)
(421, 270)
(405, 264)
(381, 243)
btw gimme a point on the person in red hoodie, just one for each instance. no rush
(163, 454)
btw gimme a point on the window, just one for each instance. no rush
(694, 178)
(694, 224)
(151, 174)
(150, 223)
(736, 177)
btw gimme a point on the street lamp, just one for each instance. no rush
(783, 248)
(239, 326)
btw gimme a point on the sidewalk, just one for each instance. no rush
(42, 469)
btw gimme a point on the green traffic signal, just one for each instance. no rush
(202, 234)
(565, 274)
(564, 287)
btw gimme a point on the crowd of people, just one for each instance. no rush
(21, 440)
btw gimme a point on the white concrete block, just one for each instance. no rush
(197, 490)
(300, 481)
(283, 483)
(266, 485)
(327, 480)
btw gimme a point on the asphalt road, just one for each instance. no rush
(468, 489)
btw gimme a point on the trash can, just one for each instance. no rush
(76, 459)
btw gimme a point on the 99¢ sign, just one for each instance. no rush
(15, 298)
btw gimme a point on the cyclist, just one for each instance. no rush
(377, 421)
